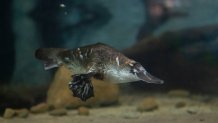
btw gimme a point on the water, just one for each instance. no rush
(174, 40)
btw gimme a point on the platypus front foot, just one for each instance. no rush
(81, 86)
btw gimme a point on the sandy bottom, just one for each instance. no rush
(198, 109)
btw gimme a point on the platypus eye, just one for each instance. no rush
(137, 68)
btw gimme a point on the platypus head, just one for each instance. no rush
(139, 71)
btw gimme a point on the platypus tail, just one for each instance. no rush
(49, 56)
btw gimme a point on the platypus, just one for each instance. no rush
(99, 61)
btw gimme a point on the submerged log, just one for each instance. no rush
(184, 59)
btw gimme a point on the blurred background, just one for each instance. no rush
(175, 40)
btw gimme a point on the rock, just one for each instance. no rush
(23, 113)
(59, 95)
(202, 120)
(148, 104)
(179, 93)
(58, 112)
(9, 113)
(130, 115)
(180, 105)
(192, 111)
(40, 108)
(83, 111)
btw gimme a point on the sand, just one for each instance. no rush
(197, 109)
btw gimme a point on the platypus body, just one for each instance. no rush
(99, 61)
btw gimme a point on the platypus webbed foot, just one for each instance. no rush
(81, 86)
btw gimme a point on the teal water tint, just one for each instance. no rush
(210, 58)
(199, 13)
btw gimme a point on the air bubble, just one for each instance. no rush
(62, 5)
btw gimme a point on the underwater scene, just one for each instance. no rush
(104, 61)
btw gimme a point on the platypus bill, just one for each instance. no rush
(99, 61)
